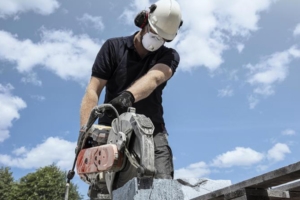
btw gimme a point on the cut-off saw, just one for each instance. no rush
(109, 156)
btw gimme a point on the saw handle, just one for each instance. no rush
(98, 111)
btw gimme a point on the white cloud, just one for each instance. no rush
(278, 151)
(271, 70)
(233, 75)
(265, 90)
(288, 132)
(20, 151)
(240, 47)
(53, 150)
(10, 106)
(193, 171)
(226, 92)
(134, 8)
(14, 7)
(31, 78)
(253, 101)
(38, 97)
(95, 21)
(67, 55)
(209, 28)
(297, 30)
(262, 167)
(16, 18)
(239, 157)
(65, 11)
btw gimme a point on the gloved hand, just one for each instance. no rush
(121, 103)
(80, 138)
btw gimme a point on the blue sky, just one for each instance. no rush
(232, 108)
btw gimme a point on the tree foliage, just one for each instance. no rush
(44, 184)
(6, 182)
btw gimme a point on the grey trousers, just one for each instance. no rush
(163, 156)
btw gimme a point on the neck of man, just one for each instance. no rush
(137, 41)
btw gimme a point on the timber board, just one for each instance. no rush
(264, 181)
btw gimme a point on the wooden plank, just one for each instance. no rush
(270, 179)
(244, 197)
(278, 194)
(257, 193)
(295, 186)
(280, 176)
(249, 194)
(295, 195)
(235, 195)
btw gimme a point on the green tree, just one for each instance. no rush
(47, 183)
(6, 183)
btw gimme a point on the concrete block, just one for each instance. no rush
(164, 189)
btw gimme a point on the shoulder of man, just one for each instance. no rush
(169, 51)
(120, 40)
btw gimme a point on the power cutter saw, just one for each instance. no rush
(114, 155)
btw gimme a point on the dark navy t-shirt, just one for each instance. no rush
(120, 64)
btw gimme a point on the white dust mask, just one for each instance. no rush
(152, 42)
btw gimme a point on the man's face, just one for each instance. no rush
(150, 40)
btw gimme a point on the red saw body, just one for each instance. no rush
(99, 159)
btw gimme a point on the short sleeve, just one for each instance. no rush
(170, 58)
(103, 65)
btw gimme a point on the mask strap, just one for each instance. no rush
(148, 28)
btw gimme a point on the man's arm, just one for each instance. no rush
(143, 87)
(91, 98)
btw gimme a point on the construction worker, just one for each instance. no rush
(135, 70)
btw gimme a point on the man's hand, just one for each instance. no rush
(122, 103)
(80, 138)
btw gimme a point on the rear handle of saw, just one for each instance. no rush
(98, 111)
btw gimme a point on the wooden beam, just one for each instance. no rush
(264, 181)
(235, 195)
(251, 194)
(295, 186)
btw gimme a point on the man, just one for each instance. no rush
(135, 70)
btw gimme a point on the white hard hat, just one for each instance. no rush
(165, 20)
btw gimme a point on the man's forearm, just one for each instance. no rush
(89, 101)
(143, 87)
